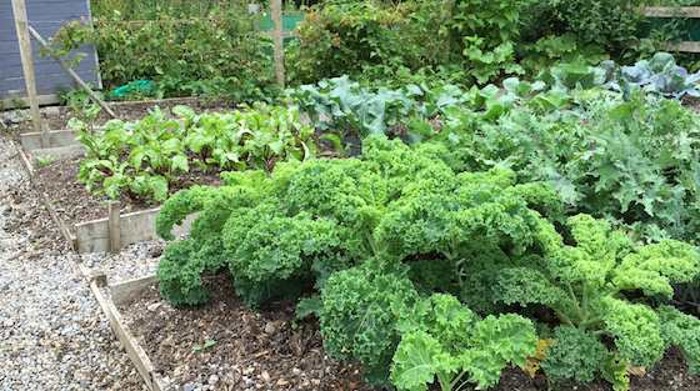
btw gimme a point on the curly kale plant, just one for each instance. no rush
(372, 313)
(601, 284)
(294, 227)
(444, 340)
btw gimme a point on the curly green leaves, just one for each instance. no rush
(419, 359)
(180, 273)
(525, 285)
(683, 331)
(575, 355)
(345, 190)
(361, 309)
(201, 198)
(636, 330)
(655, 267)
(268, 251)
(479, 207)
(483, 350)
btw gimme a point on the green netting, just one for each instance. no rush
(135, 88)
(290, 20)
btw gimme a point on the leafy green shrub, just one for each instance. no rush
(605, 156)
(613, 24)
(145, 158)
(342, 37)
(362, 231)
(586, 284)
(331, 214)
(373, 314)
(218, 53)
(361, 309)
(683, 331)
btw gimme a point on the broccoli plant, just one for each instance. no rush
(599, 282)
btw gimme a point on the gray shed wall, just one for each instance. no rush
(46, 16)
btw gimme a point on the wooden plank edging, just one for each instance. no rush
(126, 290)
(685, 46)
(26, 162)
(56, 138)
(138, 356)
(93, 236)
(44, 198)
(96, 280)
(672, 12)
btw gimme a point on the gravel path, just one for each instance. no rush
(133, 261)
(53, 335)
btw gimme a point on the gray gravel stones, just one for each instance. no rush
(53, 335)
(134, 261)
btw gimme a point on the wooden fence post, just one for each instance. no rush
(25, 50)
(115, 230)
(277, 37)
(70, 72)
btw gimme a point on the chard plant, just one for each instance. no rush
(144, 159)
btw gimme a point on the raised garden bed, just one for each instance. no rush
(225, 345)
(86, 215)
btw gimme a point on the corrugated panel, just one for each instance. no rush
(46, 16)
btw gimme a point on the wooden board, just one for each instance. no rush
(62, 227)
(672, 12)
(20, 103)
(65, 232)
(57, 138)
(58, 153)
(685, 47)
(127, 290)
(135, 352)
(26, 162)
(93, 236)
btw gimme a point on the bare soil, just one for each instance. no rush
(249, 349)
(670, 374)
(269, 350)
(72, 201)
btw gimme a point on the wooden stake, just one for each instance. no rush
(277, 37)
(115, 230)
(71, 72)
(25, 50)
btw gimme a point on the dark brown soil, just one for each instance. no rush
(670, 374)
(268, 350)
(72, 201)
(70, 198)
(252, 350)
(692, 103)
